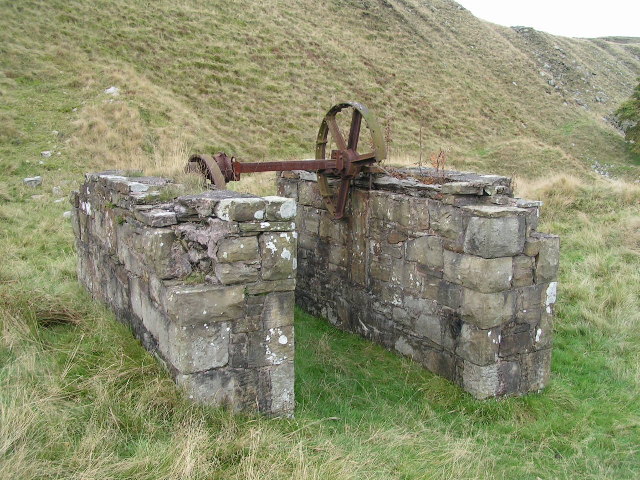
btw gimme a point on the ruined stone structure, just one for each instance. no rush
(206, 282)
(454, 276)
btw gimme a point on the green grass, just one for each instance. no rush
(80, 398)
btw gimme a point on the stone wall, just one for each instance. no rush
(454, 276)
(206, 282)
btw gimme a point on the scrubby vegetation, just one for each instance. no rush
(79, 397)
(629, 113)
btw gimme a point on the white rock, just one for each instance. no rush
(112, 91)
(46, 153)
(33, 181)
(67, 214)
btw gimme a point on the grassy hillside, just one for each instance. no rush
(79, 397)
(255, 78)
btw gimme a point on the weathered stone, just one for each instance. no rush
(543, 335)
(547, 259)
(536, 368)
(419, 208)
(162, 253)
(278, 252)
(32, 181)
(426, 250)
(462, 188)
(280, 208)
(447, 221)
(487, 310)
(491, 380)
(478, 346)
(188, 305)
(199, 347)
(516, 338)
(266, 286)
(253, 227)
(309, 194)
(240, 209)
(203, 204)
(311, 220)
(278, 309)
(481, 381)
(282, 389)
(240, 249)
(486, 275)
(238, 272)
(390, 208)
(522, 270)
(449, 294)
(396, 237)
(156, 217)
(492, 237)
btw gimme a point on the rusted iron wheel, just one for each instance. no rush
(349, 162)
(216, 169)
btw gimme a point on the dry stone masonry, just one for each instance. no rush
(206, 281)
(453, 275)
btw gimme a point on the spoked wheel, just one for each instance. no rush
(349, 162)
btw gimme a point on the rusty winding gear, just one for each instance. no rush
(349, 162)
(343, 163)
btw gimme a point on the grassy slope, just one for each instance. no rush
(81, 399)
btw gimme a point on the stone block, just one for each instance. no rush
(198, 347)
(522, 270)
(544, 332)
(485, 275)
(309, 194)
(428, 325)
(449, 294)
(282, 389)
(288, 189)
(380, 267)
(279, 255)
(238, 249)
(447, 221)
(331, 229)
(310, 220)
(491, 380)
(156, 217)
(516, 338)
(236, 388)
(550, 297)
(266, 286)
(187, 305)
(277, 310)
(480, 347)
(255, 227)
(280, 208)
(462, 188)
(426, 250)
(160, 251)
(487, 310)
(536, 369)
(240, 209)
(237, 272)
(492, 237)
(547, 259)
(390, 207)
